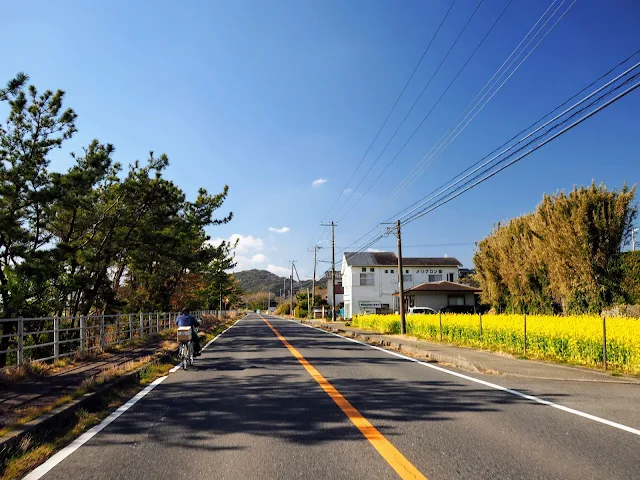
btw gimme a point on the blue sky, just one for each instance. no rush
(269, 96)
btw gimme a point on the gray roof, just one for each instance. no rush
(389, 259)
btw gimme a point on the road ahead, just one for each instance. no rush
(260, 406)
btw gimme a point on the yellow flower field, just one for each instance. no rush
(572, 339)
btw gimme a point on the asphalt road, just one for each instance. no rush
(250, 409)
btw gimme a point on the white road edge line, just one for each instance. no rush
(43, 469)
(573, 411)
(88, 435)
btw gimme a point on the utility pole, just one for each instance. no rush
(291, 290)
(633, 239)
(269, 305)
(403, 324)
(308, 304)
(315, 261)
(333, 269)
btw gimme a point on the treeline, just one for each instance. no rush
(563, 258)
(98, 237)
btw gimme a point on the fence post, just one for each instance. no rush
(130, 326)
(158, 322)
(604, 341)
(440, 326)
(480, 326)
(20, 341)
(56, 337)
(102, 339)
(525, 333)
(118, 329)
(83, 340)
(141, 324)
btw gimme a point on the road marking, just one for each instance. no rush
(385, 448)
(547, 403)
(89, 434)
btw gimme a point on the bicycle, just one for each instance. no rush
(186, 348)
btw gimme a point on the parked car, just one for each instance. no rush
(423, 310)
(458, 309)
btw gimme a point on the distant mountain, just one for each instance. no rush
(263, 281)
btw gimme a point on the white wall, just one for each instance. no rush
(385, 284)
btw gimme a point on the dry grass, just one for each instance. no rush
(34, 454)
(90, 384)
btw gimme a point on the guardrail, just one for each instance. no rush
(51, 338)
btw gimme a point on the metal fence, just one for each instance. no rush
(51, 338)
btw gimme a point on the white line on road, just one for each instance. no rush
(85, 437)
(573, 411)
(43, 469)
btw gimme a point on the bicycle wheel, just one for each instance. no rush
(191, 347)
(184, 355)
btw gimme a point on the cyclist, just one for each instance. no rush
(186, 320)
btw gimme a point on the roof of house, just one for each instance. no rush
(389, 259)
(442, 286)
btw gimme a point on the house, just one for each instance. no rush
(438, 295)
(370, 279)
(339, 289)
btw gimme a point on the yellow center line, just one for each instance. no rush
(403, 467)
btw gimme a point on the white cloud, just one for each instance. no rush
(373, 250)
(348, 191)
(279, 230)
(281, 271)
(258, 257)
(319, 181)
(245, 243)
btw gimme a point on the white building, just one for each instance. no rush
(370, 279)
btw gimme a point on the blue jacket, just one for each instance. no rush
(187, 321)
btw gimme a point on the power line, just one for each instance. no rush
(519, 133)
(388, 114)
(496, 161)
(439, 149)
(489, 85)
(413, 106)
(428, 245)
(471, 184)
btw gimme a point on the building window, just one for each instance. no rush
(364, 269)
(386, 271)
(367, 279)
(456, 300)
(440, 271)
(407, 278)
(393, 271)
(450, 277)
(372, 269)
(435, 278)
(406, 271)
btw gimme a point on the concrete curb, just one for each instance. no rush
(488, 366)
(455, 360)
(42, 427)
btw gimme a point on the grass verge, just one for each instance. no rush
(33, 451)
